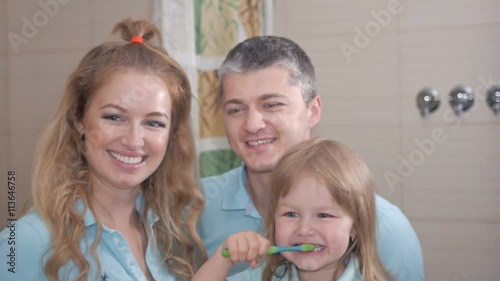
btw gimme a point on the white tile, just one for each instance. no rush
(364, 91)
(37, 83)
(378, 146)
(4, 109)
(3, 27)
(280, 17)
(60, 25)
(356, 110)
(459, 251)
(107, 13)
(450, 173)
(448, 13)
(326, 17)
(23, 149)
(444, 59)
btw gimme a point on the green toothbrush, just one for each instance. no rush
(279, 249)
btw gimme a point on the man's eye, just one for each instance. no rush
(272, 105)
(234, 110)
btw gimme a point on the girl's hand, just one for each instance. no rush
(246, 246)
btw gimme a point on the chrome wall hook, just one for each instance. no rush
(428, 101)
(461, 98)
(493, 98)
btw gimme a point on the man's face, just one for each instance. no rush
(264, 116)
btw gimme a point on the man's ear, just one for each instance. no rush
(315, 106)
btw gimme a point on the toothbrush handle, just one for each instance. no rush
(272, 250)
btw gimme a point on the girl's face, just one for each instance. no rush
(126, 126)
(309, 215)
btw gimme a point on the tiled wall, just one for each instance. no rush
(452, 193)
(452, 197)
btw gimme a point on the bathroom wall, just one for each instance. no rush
(372, 58)
(441, 171)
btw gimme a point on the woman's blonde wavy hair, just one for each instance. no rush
(349, 181)
(60, 175)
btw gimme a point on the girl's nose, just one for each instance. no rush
(305, 227)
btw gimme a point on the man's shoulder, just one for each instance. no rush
(388, 213)
(397, 242)
(222, 179)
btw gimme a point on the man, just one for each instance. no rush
(269, 102)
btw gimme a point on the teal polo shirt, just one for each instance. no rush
(32, 243)
(229, 209)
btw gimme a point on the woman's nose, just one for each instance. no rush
(133, 137)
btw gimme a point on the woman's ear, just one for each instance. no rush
(81, 131)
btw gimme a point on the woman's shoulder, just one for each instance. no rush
(33, 223)
(27, 232)
(23, 244)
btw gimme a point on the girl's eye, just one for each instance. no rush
(156, 124)
(112, 117)
(291, 214)
(324, 215)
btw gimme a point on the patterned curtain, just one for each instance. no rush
(199, 34)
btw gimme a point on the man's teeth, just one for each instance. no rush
(126, 159)
(260, 142)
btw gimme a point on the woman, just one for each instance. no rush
(113, 184)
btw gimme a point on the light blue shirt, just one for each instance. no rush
(229, 210)
(351, 273)
(32, 243)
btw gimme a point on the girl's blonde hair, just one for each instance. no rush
(60, 176)
(350, 184)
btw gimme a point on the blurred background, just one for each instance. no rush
(372, 58)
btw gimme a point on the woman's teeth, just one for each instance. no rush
(126, 159)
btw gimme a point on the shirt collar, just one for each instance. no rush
(351, 272)
(237, 197)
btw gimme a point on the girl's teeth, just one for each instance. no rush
(318, 248)
(126, 159)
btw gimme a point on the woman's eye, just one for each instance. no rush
(156, 124)
(112, 117)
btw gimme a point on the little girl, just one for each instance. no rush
(322, 194)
